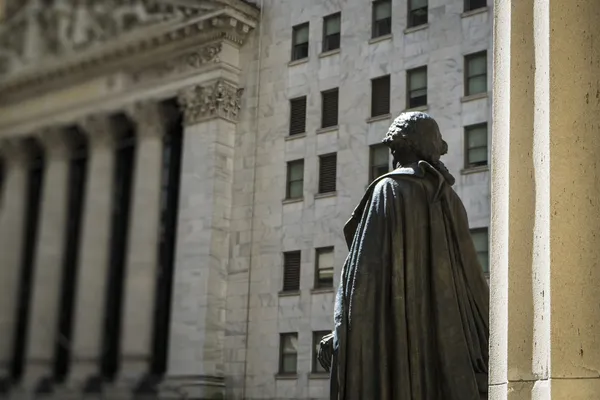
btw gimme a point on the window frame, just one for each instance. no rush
(467, 78)
(412, 21)
(293, 101)
(321, 157)
(315, 351)
(375, 23)
(483, 229)
(282, 354)
(372, 166)
(467, 6)
(467, 130)
(295, 45)
(337, 116)
(326, 37)
(318, 252)
(410, 90)
(374, 81)
(289, 180)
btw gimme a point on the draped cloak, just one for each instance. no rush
(411, 312)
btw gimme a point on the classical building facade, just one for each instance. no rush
(176, 174)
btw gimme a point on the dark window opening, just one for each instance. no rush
(417, 87)
(417, 12)
(298, 116)
(379, 161)
(327, 173)
(291, 271)
(329, 108)
(481, 243)
(382, 18)
(171, 168)
(476, 145)
(35, 178)
(121, 205)
(380, 96)
(300, 41)
(471, 5)
(331, 32)
(75, 202)
(316, 365)
(295, 180)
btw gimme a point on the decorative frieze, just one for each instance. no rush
(181, 64)
(219, 99)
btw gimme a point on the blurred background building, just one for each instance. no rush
(175, 175)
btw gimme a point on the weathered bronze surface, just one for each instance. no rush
(411, 314)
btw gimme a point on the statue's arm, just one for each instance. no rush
(325, 353)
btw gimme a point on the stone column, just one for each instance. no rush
(12, 220)
(142, 257)
(93, 262)
(48, 267)
(545, 282)
(196, 353)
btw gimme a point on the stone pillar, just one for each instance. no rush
(48, 267)
(93, 262)
(142, 257)
(196, 353)
(12, 220)
(545, 282)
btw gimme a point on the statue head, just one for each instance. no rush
(415, 136)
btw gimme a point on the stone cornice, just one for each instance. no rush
(231, 20)
(218, 99)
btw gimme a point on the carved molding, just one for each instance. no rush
(181, 64)
(220, 99)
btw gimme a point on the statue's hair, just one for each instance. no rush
(418, 132)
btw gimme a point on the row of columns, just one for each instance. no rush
(93, 263)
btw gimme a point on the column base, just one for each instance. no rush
(195, 387)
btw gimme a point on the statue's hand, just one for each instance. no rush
(325, 353)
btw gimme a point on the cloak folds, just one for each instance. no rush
(411, 313)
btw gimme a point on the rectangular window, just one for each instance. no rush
(288, 353)
(379, 161)
(417, 87)
(300, 41)
(380, 96)
(324, 268)
(474, 4)
(476, 73)
(481, 241)
(476, 151)
(329, 108)
(327, 173)
(295, 179)
(291, 271)
(382, 18)
(316, 365)
(417, 12)
(331, 32)
(298, 116)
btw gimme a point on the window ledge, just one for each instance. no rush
(474, 170)
(420, 108)
(328, 129)
(380, 38)
(289, 293)
(322, 290)
(472, 97)
(416, 28)
(294, 200)
(296, 136)
(379, 118)
(318, 375)
(286, 376)
(325, 195)
(298, 62)
(330, 53)
(474, 12)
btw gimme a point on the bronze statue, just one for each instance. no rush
(411, 312)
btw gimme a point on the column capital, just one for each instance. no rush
(150, 118)
(15, 151)
(100, 129)
(55, 141)
(217, 99)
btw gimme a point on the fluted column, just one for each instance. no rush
(142, 257)
(93, 262)
(12, 220)
(46, 283)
